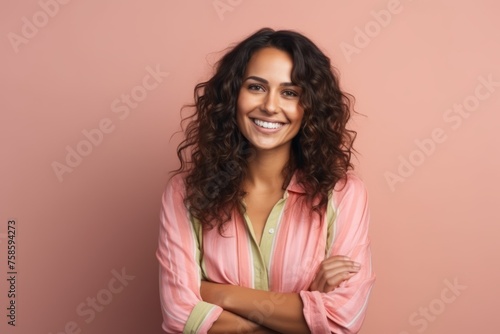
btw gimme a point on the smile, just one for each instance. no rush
(267, 125)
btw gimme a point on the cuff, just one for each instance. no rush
(314, 311)
(202, 318)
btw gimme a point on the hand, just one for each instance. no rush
(332, 272)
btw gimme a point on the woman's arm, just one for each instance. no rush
(281, 312)
(331, 273)
(343, 309)
(231, 323)
(178, 254)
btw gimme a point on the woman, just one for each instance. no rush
(264, 226)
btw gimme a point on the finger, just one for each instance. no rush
(330, 262)
(332, 278)
(336, 258)
(336, 266)
(321, 280)
(329, 279)
(331, 267)
(335, 282)
(338, 272)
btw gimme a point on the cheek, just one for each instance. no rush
(244, 102)
(239, 111)
(298, 120)
(298, 115)
(240, 104)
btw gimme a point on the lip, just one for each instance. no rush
(264, 130)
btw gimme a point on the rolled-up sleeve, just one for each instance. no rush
(178, 254)
(343, 309)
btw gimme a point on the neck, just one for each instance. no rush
(265, 169)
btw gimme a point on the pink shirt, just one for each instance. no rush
(293, 245)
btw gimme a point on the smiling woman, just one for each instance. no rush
(264, 227)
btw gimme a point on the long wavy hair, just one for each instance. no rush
(214, 154)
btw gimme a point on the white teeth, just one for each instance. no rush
(267, 125)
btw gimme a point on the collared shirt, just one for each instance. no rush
(293, 245)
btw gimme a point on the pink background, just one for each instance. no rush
(436, 225)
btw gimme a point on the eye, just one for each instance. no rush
(290, 93)
(255, 87)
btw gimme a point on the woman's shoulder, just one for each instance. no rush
(176, 180)
(175, 185)
(351, 186)
(350, 181)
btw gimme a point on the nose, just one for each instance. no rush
(271, 102)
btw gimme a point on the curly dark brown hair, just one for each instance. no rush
(214, 153)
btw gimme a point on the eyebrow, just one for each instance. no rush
(264, 81)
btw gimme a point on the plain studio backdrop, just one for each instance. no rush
(90, 103)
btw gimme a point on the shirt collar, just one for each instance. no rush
(294, 185)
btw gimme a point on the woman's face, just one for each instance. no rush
(268, 111)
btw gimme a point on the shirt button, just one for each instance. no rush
(271, 230)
